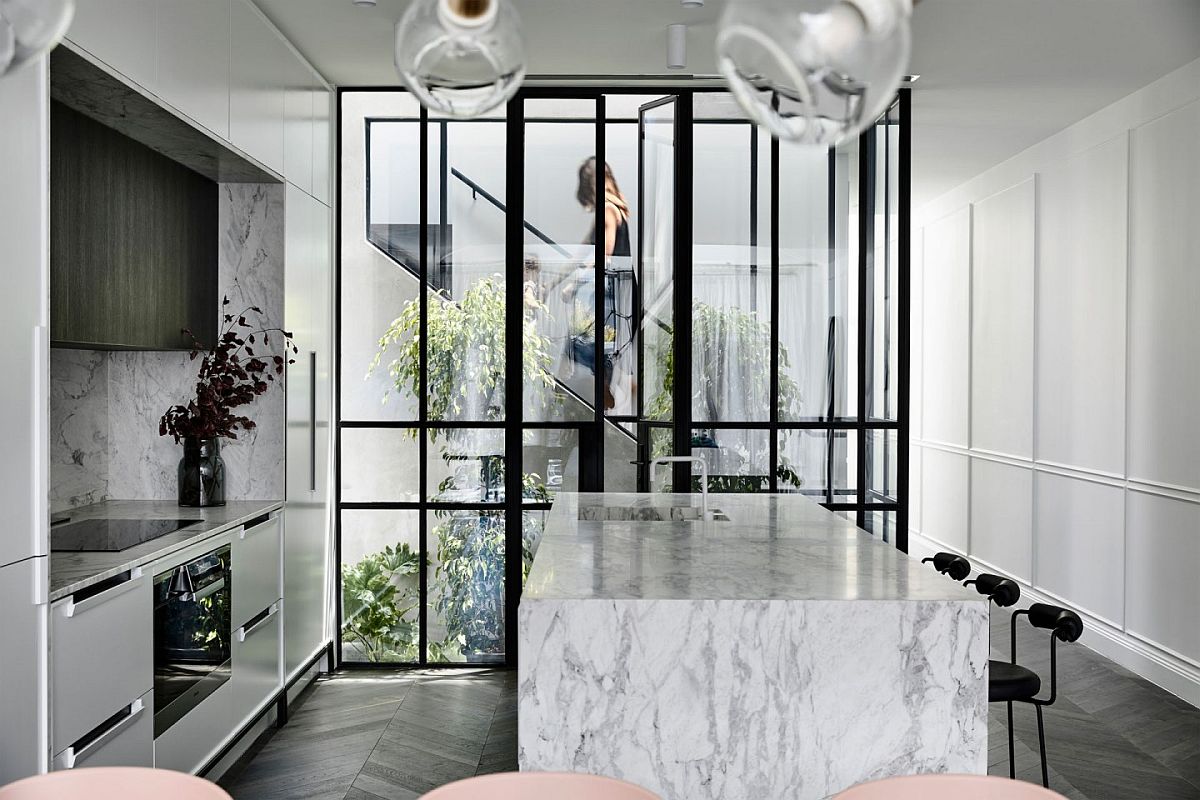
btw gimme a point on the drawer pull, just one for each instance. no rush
(75, 608)
(262, 619)
(255, 525)
(72, 756)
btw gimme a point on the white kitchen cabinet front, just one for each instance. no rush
(306, 515)
(193, 60)
(260, 68)
(322, 138)
(23, 722)
(121, 33)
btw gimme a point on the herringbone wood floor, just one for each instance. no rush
(367, 736)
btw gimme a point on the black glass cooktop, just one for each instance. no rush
(111, 535)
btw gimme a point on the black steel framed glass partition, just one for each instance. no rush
(512, 325)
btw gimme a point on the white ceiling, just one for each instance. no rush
(996, 75)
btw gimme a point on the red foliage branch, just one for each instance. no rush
(231, 375)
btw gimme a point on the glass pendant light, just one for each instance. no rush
(31, 28)
(814, 71)
(460, 57)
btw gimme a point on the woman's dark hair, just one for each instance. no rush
(586, 193)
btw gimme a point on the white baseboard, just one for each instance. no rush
(1155, 664)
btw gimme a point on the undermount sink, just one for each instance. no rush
(647, 514)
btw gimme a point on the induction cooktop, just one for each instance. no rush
(111, 535)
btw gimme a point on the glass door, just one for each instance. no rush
(656, 281)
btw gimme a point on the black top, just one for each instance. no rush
(621, 247)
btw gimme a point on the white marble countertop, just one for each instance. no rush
(71, 571)
(773, 547)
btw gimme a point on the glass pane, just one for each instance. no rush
(379, 465)
(661, 444)
(380, 256)
(821, 464)
(657, 242)
(883, 319)
(881, 465)
(560, 290)
(466, 586)
(620, 320)
(466, 465)
(533, 524)
(551, 463)
(731, 289)
(737, 460)
(380, 586)
(881, 524)
(620, 450)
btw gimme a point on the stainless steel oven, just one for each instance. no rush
(192, 635)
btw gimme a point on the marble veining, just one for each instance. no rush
(73, 571)
(782, 654)
(106, 405)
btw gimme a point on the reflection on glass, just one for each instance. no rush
(465, 465)
(657, 262)
(377, 465)
(466, 587)
(551, 462)
(821, 464)
(380, 586)
(881, 465)
(737, 460)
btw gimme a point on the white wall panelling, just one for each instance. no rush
(193, 60)
(946, 303)
(1002, 516)
(117, 32)
(1002, 273)
(1164, 300)
(945, 497)
(1104, 513)
(1162, 592)
(1081, 309)
(1080, 543)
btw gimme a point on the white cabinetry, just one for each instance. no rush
(260, 70)
(22, 670)
(322, 140)
(193, 60)
(298, 127)
(307, 315)
(121, 33)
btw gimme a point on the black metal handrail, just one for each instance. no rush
(476, 189)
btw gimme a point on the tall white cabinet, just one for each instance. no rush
(24, 412)
(308, 315)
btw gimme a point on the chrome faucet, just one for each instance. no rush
(703, 477)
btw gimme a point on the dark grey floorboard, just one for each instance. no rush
(394, 736)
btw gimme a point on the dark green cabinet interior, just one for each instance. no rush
(133, 242)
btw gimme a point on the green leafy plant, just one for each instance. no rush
(726, 335)
(379, 598)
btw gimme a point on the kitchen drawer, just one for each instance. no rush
(101, 654)
(125, 740)
(188, 744)
(256, 660)
(257, 560)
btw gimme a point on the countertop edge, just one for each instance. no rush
(263, 507)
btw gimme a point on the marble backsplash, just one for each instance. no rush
(105, 405)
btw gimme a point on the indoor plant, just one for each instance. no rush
(231, 375)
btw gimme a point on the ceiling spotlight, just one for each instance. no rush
(676, 46)
(366, 3)
(31, 28)
(691, 3)
(814, 71)
(460, 57)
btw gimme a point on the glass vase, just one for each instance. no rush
(201, 473)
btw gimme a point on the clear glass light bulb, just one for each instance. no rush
(31, 28)
(814, 71)
(460, 57)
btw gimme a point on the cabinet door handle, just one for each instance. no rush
(72, 756)
(75, 608)
(312, 420)
(254, 526)
(245, 631)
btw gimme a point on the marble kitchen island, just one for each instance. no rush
(779, 653)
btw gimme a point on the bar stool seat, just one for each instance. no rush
(1011, 682)
(113, 783)
(540, 786)
(947, 787)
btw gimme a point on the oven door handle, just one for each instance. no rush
(245, 631)
(72, 756)
(75, 608)
(210, 589)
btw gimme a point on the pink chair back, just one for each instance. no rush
(948, 787)
(540, 786)
(113, 783)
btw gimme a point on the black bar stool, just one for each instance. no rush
(1012, 683)
(950, 564)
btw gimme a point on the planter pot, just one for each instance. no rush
(201, 474)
